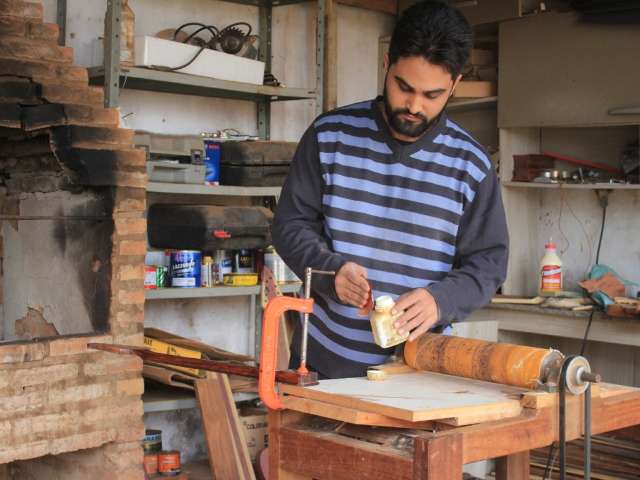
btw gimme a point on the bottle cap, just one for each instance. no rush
(550, 246)
(384, 302)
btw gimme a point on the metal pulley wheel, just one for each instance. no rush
(578, 375)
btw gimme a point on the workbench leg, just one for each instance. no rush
(438, 458)
(513, 467)
(278, 419)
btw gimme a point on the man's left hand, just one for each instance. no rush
(420, 313)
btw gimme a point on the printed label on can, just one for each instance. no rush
(185, 268)
(551, 278)
(150, 277)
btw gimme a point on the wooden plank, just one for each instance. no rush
(417, 396)
(277, 421)
(384, 6)
(438, 458)
(513, 467)
(228, 454)
(330, 77)
(349, 415)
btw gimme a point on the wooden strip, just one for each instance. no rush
(228, 454)
(330, 78)
(438, 458)
(513, 467)
(384, 6)
(349, 415)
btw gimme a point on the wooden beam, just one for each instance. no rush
(384, 6)
(438, 458)
(330, 78)
(513, 467)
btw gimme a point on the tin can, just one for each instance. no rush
(185, 268)
(243, 261)
(150, 277)
(162, 276)
(206, 278)
(241, 279)
(222, 265)
(212, 162)
(152, 441)
(169, 462)
(151, 463)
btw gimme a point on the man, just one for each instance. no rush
(396, 198)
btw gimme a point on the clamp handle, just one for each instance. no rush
(269, 346)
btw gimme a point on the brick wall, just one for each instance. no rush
(65, 411)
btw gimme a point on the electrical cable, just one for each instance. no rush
(603, 199)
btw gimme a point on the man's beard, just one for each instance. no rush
(405, 127)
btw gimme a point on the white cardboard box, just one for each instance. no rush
(152, 51)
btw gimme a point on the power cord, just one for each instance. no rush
(603, 200)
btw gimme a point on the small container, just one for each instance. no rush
(241, 279)
(150, 277)
(243, 261)
(152, 441)
(206, 272)
(162, 276)
(384, 333)
(185, 268)
(169, 463)
(550, 271)
(151, 463)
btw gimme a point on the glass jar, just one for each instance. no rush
(384, 333)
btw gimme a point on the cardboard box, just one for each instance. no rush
(159, 346)
(475, 89)
(256, 433)
(157, 52)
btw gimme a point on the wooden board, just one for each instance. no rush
(418, 396)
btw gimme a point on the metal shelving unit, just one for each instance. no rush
(217, 190)
(168, 400)
(468, 105)
(114, 77)
(574, 186)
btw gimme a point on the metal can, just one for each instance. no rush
(206, 278)
(150, 277)
(151, 463)
(169, 462)
(162, 274)
(222, 265)
(243, 261)
(152, 441)
(185, 268)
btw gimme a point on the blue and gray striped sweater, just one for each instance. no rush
(426, 214)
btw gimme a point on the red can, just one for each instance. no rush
(151, 464)
(150, 276)
(169, 462)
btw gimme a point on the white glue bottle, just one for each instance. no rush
(550, 271)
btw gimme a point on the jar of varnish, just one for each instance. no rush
(384, 333)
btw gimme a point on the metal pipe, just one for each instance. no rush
(587, 433)
(305, 322)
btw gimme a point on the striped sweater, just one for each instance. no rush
(426, 214)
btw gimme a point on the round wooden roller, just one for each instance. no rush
(503, 363)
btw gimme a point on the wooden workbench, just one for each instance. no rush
(305, 446)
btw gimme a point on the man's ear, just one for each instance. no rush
(385, 63)
(455, 84)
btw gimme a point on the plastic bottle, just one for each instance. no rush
(550, 271)
(384, 333)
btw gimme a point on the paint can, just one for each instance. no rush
(185, 268)
(151, 463)
(243, 261)
(150, 277)
(152, 441)
(222, 265)
(169, 463)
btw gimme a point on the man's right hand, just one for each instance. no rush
(352, 286)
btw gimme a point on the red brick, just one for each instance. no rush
(124, 455)
(75, 345)
(25, 451)
(79, 393)
(42, 374)
(42, 70)
(130, 226)
(19, 8)
(131, 272)
(43, 31)
(77, 93)
(26, 402)
(22, 352)
(131, 179)
(131, 298)
(136, 340)
(81, 441)
(132, 247)
(31, 426)
(113, 365)
(13, 26)
(132, 433)
(25, 48)
(94, 116)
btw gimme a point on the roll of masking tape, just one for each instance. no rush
(373, 374)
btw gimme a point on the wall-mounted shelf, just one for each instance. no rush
(221, 291)
(136, 78)
(466, 105)
(226, 190)
(574, 186)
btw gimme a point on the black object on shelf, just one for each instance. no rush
(257, 164)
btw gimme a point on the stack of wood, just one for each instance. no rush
(611, 458)
(480, 76)
(624, 307)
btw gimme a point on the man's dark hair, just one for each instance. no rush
(436, 31)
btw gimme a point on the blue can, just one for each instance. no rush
(212, 162)
(185, 268)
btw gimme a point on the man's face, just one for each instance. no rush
(415, 93)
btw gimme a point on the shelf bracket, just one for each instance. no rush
(112, 53)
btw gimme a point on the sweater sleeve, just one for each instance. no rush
(480, 263)
(298, 233)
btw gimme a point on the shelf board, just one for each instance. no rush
(574, 186)
(137, 78)
(275, 3)
(226, 190)
(167, 400)
(472, 104)
(220, 291)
